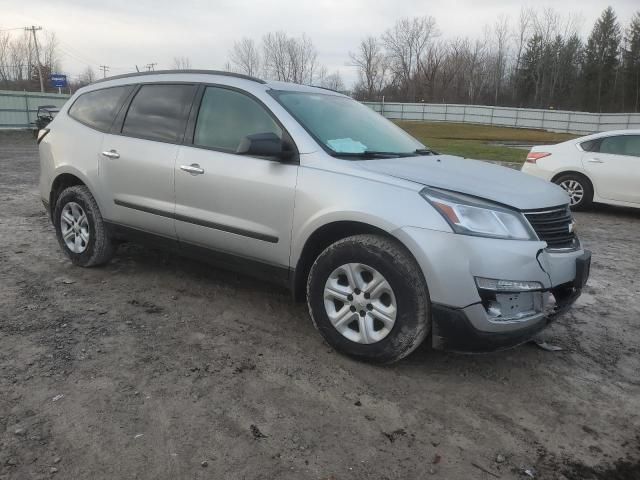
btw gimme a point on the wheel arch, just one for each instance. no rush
(573, 172)
(64, 179)
(324, 236)
(579, 173)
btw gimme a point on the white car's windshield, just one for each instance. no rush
(347, 128)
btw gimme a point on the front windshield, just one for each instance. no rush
(346, 127)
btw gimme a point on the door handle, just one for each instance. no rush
(111, 154)
(595, 160)
(193, 169)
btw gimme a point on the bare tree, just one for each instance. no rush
(500, 47)
(181, 63)
(289, 59)
(430, 65)
(371, 64)
(5, 46)
(87, 76)
(245, 57)
(405, 44)
(333, 81)
(276, 56)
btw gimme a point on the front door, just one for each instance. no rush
(229, 202)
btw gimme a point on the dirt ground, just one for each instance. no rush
(156, 367)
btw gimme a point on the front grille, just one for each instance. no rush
(554, 226)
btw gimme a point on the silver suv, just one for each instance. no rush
(389, 242)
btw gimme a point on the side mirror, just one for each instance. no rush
(265, 145)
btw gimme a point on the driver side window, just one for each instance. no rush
(227, 116)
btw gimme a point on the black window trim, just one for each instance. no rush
(123, 102)
(189, 132)
(118, 124)
(193, 119)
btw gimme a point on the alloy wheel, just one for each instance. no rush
(74, 226)
(574, 189)
(360, 303)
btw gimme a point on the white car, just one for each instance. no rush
(603, 168)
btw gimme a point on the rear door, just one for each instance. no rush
(139, 154)
(231, 202)
(613, 163)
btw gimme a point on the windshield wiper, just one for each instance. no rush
(425, 151)
(368, 154)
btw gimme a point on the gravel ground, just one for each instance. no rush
(159, 367)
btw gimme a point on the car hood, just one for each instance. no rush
(480, 179)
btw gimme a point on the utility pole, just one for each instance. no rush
(105, 69)
(33, 29)
(150, 66)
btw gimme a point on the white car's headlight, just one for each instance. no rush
(473, 216)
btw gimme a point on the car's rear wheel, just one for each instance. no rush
(578, 188)
(368, 298)
(80, 229)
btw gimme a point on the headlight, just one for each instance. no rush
(472, 216)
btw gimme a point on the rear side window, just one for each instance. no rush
(227, 116)
(159, 112)
(590, 145)
(99, 108)
(621, 145)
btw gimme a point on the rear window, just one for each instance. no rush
(159, 112)
(99, 108)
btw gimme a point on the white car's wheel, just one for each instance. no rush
(578, 188)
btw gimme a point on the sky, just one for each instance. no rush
(125, 33)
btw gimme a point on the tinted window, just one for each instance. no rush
(621, 145)
(227, 116)
(99, 108)
(590, 145)
(159, 112)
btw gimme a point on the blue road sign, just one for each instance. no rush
(57, 80)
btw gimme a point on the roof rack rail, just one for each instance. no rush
(207, 72)
(325, 88)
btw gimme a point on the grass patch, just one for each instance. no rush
(472, 141)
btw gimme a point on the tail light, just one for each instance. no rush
(533, 157)
(42, 133)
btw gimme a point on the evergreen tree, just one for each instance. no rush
(631, 58)
(601, 62)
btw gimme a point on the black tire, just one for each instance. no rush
(585, 184)
(100, 248)
(398, 267)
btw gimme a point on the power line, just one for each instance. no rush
(105, 69)
(151, 66)
(10, 29)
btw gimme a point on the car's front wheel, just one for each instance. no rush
(368, 298)
(80, 229)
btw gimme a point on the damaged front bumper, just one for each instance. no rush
(531, 287)
(453, 328)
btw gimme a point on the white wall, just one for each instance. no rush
(552, 120)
